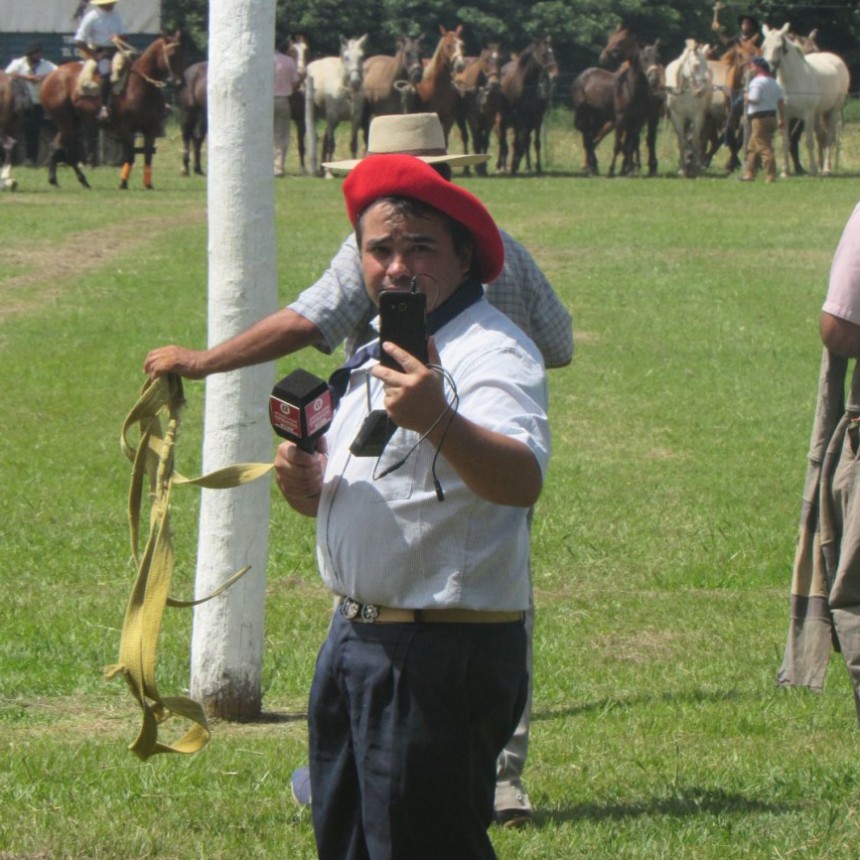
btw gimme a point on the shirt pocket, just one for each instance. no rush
(396, 468)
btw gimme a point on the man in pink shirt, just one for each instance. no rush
(287, 79)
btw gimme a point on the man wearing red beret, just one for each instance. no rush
(423, 675)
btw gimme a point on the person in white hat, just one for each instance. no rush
(337, 309)
(95, 39)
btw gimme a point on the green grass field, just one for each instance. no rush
(663, 541)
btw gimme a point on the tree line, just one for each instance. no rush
(579, 28)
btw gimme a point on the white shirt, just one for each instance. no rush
(21, 67)
(99, 26)
(391, 541)
(843, 291)
(763, 94)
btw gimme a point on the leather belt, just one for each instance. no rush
(371, 613)
(763, 114)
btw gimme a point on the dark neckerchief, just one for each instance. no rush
(469, 292)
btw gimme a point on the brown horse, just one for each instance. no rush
(481, 99)
(389, 82)
(526, 85)
(138, 108)
(193, 115)
(435, 91)
(595, 94)
(14, 102)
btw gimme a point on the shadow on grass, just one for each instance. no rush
(606, 705)
(693, 800)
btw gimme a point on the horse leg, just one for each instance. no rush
(809, 133)
(538, 165)
(127, 160)
(6, 180)
(651, 143)
(186, 152)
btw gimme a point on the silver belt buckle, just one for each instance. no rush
(352, 610)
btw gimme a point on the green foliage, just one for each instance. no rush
(579, 30)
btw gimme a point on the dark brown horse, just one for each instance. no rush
(389, 82)
(138, 108)
(14, 102)
(193, 115)
(435, 91)
(526, 83)
(595, 94)
(481, 99)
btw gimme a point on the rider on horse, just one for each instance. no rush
(95, 38)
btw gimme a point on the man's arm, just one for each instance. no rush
(278, 334)
(840, 336)
(299, 475)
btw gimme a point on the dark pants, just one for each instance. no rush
(33, 120)
(406, 722)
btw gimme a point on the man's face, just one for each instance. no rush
(746, 26)
(395, 247)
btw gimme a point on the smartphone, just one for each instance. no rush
(403, 320)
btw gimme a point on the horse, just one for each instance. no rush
(338, 88)
(139, 107)
(593, 98)
(435, 91)
(481, 99)
(15, 101)
(297, 48)
(688, 94)
(723, 117)
(389, 82)
(815, 88)
(526, 83)
(192, 115)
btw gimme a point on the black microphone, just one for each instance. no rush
(300, 409)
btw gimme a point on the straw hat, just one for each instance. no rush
(418, 134)
(102, 2)
(405, 176)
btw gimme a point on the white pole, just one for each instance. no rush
(227, 640)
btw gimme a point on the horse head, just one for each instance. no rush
(163, 60)
(352, 57)
(694, 72)
(410, 52)
(807, 44)
(620, 47)
(655, 72)
(297, 48)
(544, 56)
(491, 66)
(776, 45)
(450, 48)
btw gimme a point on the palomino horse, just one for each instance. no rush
(138, 108)
(338, 88)
(297, 48)
(192, 115)
(595, 93)
(725, 112)
(815, 88)
(14, 101)
(688, 94)
(389, 82)
(526, 85)
(436, 91)
(481, 93)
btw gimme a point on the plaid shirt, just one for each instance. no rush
(340, 308)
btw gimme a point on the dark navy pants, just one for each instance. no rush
(406, 722)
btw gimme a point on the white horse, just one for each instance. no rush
(688, 98)
(338, 86)
(815, 87)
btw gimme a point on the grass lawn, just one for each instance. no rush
(663, 541)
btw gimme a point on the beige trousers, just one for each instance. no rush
(761, 146)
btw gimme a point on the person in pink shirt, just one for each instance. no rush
(287, 79)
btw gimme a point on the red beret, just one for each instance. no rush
(407, 176)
